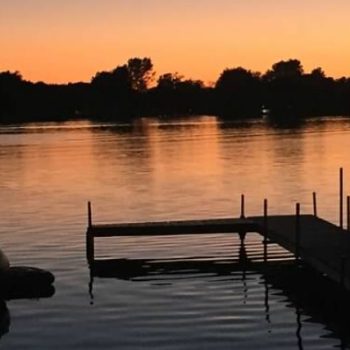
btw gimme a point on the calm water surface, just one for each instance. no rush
(159, 170)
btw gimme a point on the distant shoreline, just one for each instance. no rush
(285, 91)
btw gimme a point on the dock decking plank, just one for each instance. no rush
(173, 228)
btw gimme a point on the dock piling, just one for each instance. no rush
(90, 247)
(265, 229)
(89, 214)
(242, 206)
(314, 200)
(265, 220)
(348, 212)
(90, 241)
(242, 234)
(341, 196)
(297, 232)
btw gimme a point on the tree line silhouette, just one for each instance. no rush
(130, 90)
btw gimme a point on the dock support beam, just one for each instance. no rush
(297, 232)
(341, 196)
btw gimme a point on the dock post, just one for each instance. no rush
(265, 229)
(242, 234)
(314, 200)
(242, 206)
(348, 212)
(297, 232)
(90, 242)
(89, 215)
(90, 247)
(341, 196)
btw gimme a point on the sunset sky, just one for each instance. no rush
(70, 40)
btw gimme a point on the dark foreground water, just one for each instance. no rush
(164, 293)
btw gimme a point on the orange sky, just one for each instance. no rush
(70, 40)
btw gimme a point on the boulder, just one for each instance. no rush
(25, 282)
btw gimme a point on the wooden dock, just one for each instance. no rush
(318, 243)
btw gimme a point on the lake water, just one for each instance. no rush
(184, 292)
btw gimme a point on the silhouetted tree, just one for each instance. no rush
(236, 79)
(239, 92)
(318, 73)
(140, 72)
(290, 69)
(21, 100)
(10, 91)
(174, 95)
(317, 93)
(284, 89)
(117, 79)
(169, 81)
(112, 95)
(10, 79)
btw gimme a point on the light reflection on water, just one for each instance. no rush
(159, 170)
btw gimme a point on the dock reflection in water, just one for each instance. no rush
(314, 298)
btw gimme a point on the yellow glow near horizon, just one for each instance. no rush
(61, 41)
